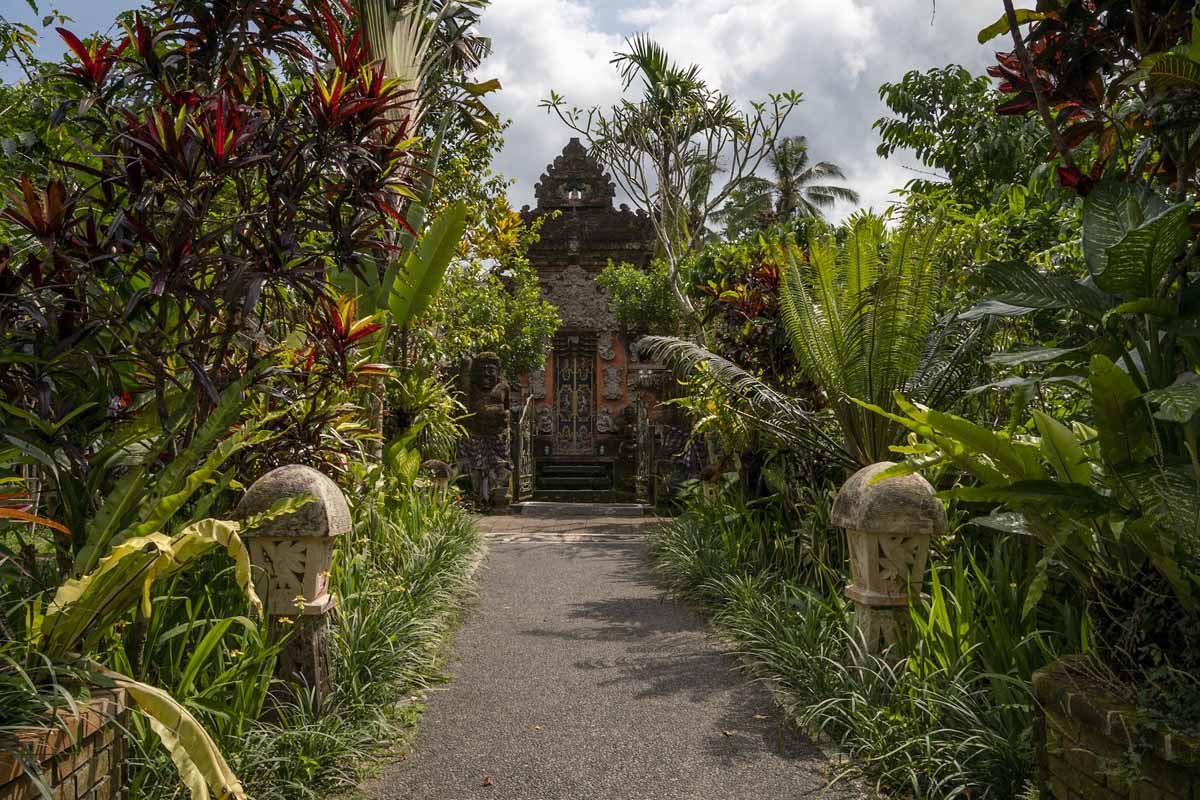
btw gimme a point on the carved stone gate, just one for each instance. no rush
(582, 429)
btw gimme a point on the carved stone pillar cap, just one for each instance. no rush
(901, 505)
(327, 516)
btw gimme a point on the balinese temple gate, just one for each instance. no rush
(587, 426)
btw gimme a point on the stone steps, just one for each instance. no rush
(538, 508)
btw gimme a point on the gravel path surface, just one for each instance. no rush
(574, 678)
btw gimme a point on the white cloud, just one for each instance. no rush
(836, 53)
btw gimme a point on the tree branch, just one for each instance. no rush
(1060, 144)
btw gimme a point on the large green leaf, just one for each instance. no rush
(1110, 211)
(1179, 402)
(1016, 284)
(202, 768)
(1137, 264)
(1011, 457)
(1033, 355)
(1001, 26)
(84, 610)
(1122, 420)
(1064, 452)
(1168, 70)
(1037, 495)
(425, 269)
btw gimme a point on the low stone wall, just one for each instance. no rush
(83, 759)
(1090, 747)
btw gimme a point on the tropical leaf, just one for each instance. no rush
(1110, 211)
(1063, 450)
(777, 415)
(1169, 70)
(1137, 264)
(994, 308)
(202, 768)
(84, 610)
(1004, 521)
(1034, 355)
(1121, 414)
(426, 267)
(1015, 285)
(1179, 402)
(170, 488)
(1001, 26)
(1037, 495)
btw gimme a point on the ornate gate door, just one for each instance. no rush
(574, 392)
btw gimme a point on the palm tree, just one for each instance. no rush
(798, 190)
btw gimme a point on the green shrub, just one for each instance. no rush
(952, 719)
(641, 299)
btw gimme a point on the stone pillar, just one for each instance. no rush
(888, 526)
(292, 554)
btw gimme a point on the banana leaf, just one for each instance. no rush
(196, 756)
(425, 269)
(84, 610)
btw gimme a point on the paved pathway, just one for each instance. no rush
(575, 679)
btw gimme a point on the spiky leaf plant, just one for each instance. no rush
(861, 318)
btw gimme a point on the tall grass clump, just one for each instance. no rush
(399, 575)
(951, 719)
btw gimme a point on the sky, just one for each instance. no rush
(835, 52)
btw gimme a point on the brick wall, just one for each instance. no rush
(84, 759)
(1089, 747)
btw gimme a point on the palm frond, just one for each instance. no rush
(774, 414)
(859, 319)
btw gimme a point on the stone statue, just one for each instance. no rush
(545, 421)
(484, 453)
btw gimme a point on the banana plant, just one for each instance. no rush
(84, 610)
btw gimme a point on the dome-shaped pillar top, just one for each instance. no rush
(904, 505)
(326, 516)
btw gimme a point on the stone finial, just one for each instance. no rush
(328, 515)
(888, 527)
(903, 505)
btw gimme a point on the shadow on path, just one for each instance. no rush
(574, 677)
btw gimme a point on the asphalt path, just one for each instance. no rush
(575, 678)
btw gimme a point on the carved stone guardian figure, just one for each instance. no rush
(484, 453)
(545, 422)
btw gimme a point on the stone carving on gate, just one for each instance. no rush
(537, 384)
(545, 421)
(605, 422)
(604, 346)
(612, 388)
(580, 301)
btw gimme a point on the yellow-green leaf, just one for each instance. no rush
(1000, 26)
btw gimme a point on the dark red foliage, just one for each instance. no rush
(95, 62)
(1083, 56)
(208, 194)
